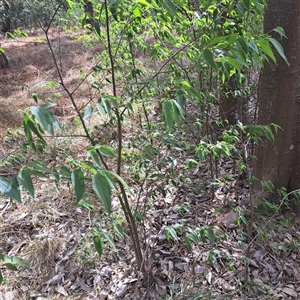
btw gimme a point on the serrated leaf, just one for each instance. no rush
(25, 180)
(98, 245)
(102, 188)
(78, 183)
(279, 49)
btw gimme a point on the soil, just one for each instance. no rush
(31, 70)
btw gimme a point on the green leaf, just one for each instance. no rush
(178, 112)
(234, 63)
(173, 233)
(194, 93)
(113, 10)
(101, 110)
(106, 151)
(88, 167)
(1, 277)
(10, 35)
(109, 238)
(193, 237)
(65, 172)
(247, 3)
(29, 123)
(45, 118)
(39, 165)
(95, 158)
(37, 173)
(102, 188)
(10, 188)
(15, 260)
(78, 183)
(98, 245)
(167, 234)
(151, 4)
(119, 230)
(170, 6)
(119, 178)
(88, 111)
(280, 30)
(279, 49)
(97, 27)
(217, 40)
(11, 267)
(209, 57)
(168, 113)
(265, 45)
(211, 235)
(25, 179)
(187, 242)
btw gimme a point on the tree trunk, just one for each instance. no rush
(279, 102)
(6, 17)
(228, 103)
(88, 8)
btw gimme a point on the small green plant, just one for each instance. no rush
(183, 208)
(10, 262)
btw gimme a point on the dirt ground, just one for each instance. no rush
(31, 70)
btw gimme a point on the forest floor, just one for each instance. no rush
(55, 235)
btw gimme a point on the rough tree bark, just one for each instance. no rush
(279, 103)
